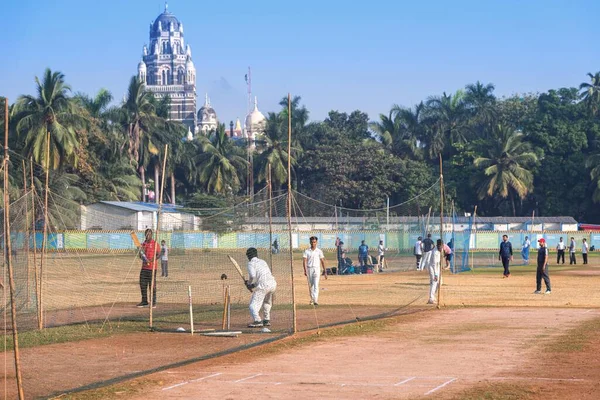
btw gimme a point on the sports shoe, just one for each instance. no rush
(256, 324)
(430, 302)
(537, 292)
(547, 292)
(316, 304)
(266, 322)
(311, 303)
(153, 305)
(142, 305)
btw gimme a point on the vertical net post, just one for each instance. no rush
(441, 231)
(8, 255)
(156, 242)
(289, 212)
(45, 237)
(26, 241)
(34, 245)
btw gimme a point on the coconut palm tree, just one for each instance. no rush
(506, 169)
(219, 163)
(590, 92)
(274, 151)
(138, 117)
(481, 101)
(51, 113)
(448, 117)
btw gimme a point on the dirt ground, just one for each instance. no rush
(437, 354)
(495, 339)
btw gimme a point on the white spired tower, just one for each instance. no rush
(167, 68)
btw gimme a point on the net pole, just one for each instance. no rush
(45, 234)
(7, 248)
(474, 233)
(26, 242)
(441, 231)
(271, 248)
(289, 212)
(35, 269)
(156, 241)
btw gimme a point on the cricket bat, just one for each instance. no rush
(237, 267)
(136, 240)
(137, 244)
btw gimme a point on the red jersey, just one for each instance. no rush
(150, 248)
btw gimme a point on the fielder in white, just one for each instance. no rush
(433, 266)
(262, 284)
(312, 261)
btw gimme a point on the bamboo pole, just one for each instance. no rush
(441, 231)
(474, 230)
(45, 237)
(26, 242)
(35, 269)
(157, 243)
(270, 219)
(7, 248)
(289, 212)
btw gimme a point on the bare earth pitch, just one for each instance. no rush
(444, 350)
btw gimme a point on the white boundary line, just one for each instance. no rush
(404, 381)
(441, 386)
(248, 377)
(177, 385)
(206, 377)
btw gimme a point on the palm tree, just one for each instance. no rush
(505, 169)
(481, 100)
(593, 162)
(448, 120)
(52, 113)
(219, 163)
(590, 92)
(274, 144)
(138, 116)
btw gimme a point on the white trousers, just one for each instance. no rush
(313, 275)
(433, 283)
(426, 259)
(262, 298)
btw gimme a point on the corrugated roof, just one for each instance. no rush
(140, 206)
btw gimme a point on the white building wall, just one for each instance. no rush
(107, 217)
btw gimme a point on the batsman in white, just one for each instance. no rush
(262, 284)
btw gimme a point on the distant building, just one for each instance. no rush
(167, 68)
(207, 118)
(137, 216)
(255, 123)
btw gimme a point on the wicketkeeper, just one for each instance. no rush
(262, 285)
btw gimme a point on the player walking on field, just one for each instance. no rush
(572, 250)
(418, 252)
(505, 254)
(560, 251)
(262, 284)
(427, 251)
(149, 253)
(584, 251)
(542, 268)
(381, 252)
(433, 267)
(312, 261)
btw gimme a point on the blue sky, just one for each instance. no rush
(337, 55)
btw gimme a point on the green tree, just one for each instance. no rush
(505, 169)
(273, 147)
(52, 112)
(590, 92)
(447, 115)
(219, 163)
